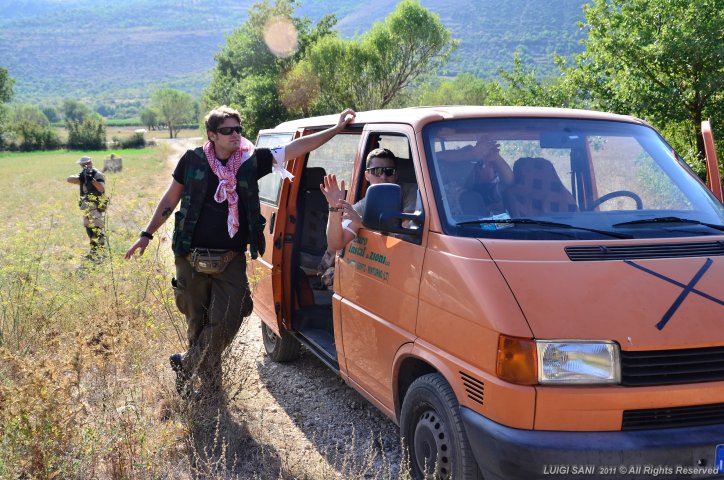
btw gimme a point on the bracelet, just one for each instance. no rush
(146, 235)
(334, 209)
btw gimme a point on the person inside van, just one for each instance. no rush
(345, 219)
(483, 191)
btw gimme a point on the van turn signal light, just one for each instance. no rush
(517, 360)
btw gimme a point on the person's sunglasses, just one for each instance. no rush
(229, 130)
(378, 171)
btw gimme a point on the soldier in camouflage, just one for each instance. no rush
(92, 202)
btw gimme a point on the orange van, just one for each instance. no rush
(572, 326)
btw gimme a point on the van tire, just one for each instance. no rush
(280, 349)
(430, 423)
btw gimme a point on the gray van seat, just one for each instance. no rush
(313, 209)
(537, 189)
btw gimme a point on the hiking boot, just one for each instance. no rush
(182, 380)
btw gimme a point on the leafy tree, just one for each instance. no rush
(247, 74)
(662, 60)
(51, 113)
(464, 89)
(33, 129)
(74, 110)
(87, 134)
(149, 118)
(6, 85)
(299, 89)
(370, 72)
(6, 93)
(522, 87)
(175, 108)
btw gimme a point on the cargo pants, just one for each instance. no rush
(214, 306)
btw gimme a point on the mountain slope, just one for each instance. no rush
(126, 49)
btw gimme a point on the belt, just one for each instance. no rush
(226, 255)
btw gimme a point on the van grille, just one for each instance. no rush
(474, 387)
(673, 417)
(662, 367)
(626, 252)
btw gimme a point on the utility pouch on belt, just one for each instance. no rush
(204, 260)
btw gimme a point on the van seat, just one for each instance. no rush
(314, 211)
(537, 189)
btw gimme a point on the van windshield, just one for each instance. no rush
(558, 178)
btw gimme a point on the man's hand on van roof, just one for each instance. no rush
(303, 145)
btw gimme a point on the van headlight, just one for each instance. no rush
(578, 362)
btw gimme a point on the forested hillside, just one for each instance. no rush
(114, 50)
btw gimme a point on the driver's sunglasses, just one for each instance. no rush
(378, 171)
(229, 130)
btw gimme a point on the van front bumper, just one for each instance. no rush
(509, 453)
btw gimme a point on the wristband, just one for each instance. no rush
(334, 209)
(146, 235)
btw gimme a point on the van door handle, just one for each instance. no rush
(271, 222)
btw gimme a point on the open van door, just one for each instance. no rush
(713, 179)
(265, 273)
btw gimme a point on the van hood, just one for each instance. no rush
(641, 303)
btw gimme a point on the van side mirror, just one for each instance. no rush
(383, 211)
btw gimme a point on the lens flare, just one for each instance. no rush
(280, 36)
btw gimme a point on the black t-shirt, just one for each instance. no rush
(211, 229)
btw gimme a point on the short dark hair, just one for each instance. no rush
(380, 153)
(217, 116)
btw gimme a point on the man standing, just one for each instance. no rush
(218, 218)
(93, 203)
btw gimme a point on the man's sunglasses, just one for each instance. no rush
(378, 171)
(229, 130)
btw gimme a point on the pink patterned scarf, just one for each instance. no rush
(227, 179)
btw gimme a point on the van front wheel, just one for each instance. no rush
(282, 348)
(433, 431)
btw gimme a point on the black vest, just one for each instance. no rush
(192, 200)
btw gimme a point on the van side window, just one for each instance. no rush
(406, 178)
(270, 185)
(336, 156)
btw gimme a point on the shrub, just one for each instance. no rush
(134, 141)
(87, 134)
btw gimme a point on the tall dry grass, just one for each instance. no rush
(85, 388)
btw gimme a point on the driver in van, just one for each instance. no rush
(345, 219)
(483, 191)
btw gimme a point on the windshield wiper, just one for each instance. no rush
(542, 223)
(669, 220)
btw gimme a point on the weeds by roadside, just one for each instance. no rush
(85, 388)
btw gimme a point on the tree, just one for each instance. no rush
(149, 118)
(74, 111)
(662, 60)
(6, 93)
(175, 108)
(522, 87)
(247, 73)
(6, 85)
(464, 89)
(87, 134)
(51, 113)
(32, 129)
(370, 72)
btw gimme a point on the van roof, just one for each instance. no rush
(423, 115)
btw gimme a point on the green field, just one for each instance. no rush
(80, 343)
